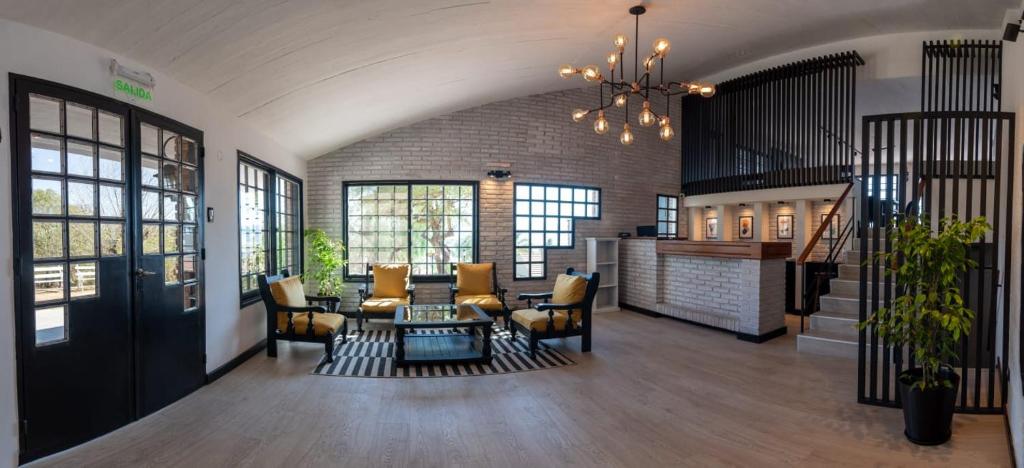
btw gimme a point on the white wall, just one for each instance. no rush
(33, 52)
(1013, 101)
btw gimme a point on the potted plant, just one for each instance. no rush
(929, 315)
(326, 256)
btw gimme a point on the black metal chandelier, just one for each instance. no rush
(620, 90)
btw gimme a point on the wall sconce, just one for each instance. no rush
(499, 174)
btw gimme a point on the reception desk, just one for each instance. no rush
(735, 286)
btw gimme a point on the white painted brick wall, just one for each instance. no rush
(746, 296)
(535, 138)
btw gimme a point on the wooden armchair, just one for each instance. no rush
(477, 283)
(568, 312)
(289, 314)
(390, 287)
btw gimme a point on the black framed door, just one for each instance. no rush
(71, 265)
(168, 264)
(92, 339)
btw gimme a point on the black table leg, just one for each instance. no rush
(487, 344)
(400, 352)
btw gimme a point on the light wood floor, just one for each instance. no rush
(655, 392)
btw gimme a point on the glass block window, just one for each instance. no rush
(545, 218)
(428, 225)
(269, 223)
(668, 212)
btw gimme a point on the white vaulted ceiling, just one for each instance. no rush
(320, 74)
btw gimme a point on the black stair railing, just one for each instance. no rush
(810, 296)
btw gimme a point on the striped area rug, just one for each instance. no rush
(370, 355)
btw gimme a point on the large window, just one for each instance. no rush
(429, 225)
(668, 213)
(269, 223)
(545, 219)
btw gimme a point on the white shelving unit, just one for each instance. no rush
(603, 257)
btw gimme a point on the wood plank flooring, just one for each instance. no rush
(655, 392)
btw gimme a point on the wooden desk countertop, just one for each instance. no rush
(726, 249)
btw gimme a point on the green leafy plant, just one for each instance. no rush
(930, 315)
(326, 256)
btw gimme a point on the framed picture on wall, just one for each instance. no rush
(832, 232)
(746, 227)
(784, 226)
(712, 228)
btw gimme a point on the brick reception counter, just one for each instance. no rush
(735, 286)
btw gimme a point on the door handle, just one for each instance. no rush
(141, 273)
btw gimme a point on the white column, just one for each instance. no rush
(696, 223)
(762, 222)
(726, 220)
(803, 222)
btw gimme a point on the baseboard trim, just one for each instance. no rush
(237, 361)
(651, 313)
(740, 336)
(762, 337)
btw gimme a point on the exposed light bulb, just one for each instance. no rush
(661, 46)
(613, 59)
(579, 114)
(665, 132)
(693, 88)
(620, 42)
(626, 137)
(649, 63)
(647, 117)
(566, 71)
(601, 124)
(707, 91)
(621, 99)
(591, 73)
(664, 120)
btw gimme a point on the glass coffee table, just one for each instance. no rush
(453, 336)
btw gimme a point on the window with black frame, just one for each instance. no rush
(668, 216)
(269, 223)
(545, 218)
(426, 224)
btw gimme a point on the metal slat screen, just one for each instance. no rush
(787, 126)
(961, 75)
(941, 164)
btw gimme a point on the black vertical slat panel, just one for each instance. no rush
(877, 221)
(862, 308)
(1011, 153)
(997, 159)
(890, 144)
(954, 207)
(970, 161)
(984, 313)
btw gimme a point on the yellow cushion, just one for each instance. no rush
(390, 280)
(486, 302)
(569, 289)
(288, 292)
(383, 304)
(473, 278)
(322, 323)
(538, 320)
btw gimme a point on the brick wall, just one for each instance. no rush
(533, 137)
(712, 291)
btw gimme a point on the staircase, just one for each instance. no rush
(833, 329)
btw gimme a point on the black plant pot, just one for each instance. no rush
(928, 414)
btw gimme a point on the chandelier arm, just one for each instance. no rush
(636, 49)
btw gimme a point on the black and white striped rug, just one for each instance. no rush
(370, 355)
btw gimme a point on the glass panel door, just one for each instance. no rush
(168, 259)
(73, 288)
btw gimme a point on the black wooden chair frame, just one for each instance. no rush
(496, 290)
(273, 334)
(366, 292)
(585, 307)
